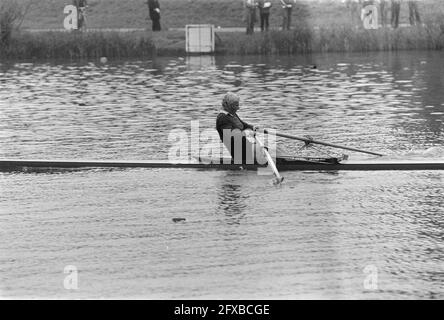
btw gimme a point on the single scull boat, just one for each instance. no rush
(282, 164)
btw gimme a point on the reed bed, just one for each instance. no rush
(77, 45)
(335, 39)
(301, 40)
(304, 38)
(297, 41)
(349, 39)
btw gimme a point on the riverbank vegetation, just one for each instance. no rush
(336, 39)
(93, 45)
(76, 45)
(303, 38)
(48, 14)
(12, 14)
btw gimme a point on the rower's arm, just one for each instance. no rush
(245, 124)
(249, 126)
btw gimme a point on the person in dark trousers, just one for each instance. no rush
(81, 6)
(264, 11)
(414, 17)
(287, 8)
(250, 15)
(396, 8)
(154, 8)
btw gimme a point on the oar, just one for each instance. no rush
(271, 163)
(284, 135)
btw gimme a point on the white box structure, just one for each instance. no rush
(199, 38)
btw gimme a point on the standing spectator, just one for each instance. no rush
(396, 8)
(81, 6)
(287, 6)
(414, 13)
(264, 12)
(250, 15)
(82, 14)
(383, 10)
(154, 8)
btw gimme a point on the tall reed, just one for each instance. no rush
(350, 39)
(295, 41)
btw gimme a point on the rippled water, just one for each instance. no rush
(313, 237)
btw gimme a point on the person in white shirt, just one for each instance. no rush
(264, 12)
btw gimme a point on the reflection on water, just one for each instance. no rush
(200, 62)
(231, 198)
(242, 237)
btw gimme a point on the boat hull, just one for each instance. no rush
(296, 165)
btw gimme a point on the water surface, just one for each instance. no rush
(313, 237)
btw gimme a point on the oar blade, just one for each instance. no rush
(278, 180)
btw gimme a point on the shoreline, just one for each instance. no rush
(25, 45)
(123, 30)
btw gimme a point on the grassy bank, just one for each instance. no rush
(54, 45)
(304, 38)
(93, 45)
(47, 14)
(346, 39)
(335, 39)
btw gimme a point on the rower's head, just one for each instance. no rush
(230, 102)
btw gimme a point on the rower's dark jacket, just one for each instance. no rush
(231, 122)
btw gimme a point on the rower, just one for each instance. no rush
(234, 133)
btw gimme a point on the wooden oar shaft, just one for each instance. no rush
(289, 136)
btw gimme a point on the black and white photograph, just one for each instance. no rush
(221, 150)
